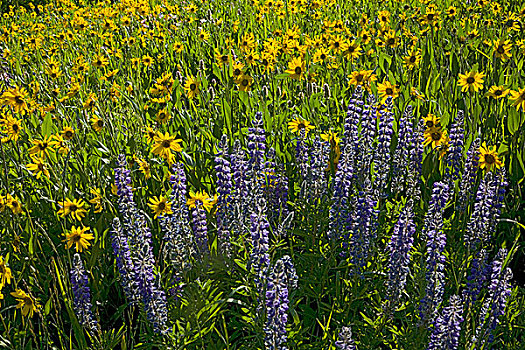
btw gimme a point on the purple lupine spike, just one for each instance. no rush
(478, 227)
(82, 295)
(416, 162)
(468, 178)
(399, 249)
(405, 144)
(382, 155)
(495, 303)
(479, 273)
(447, 327)
(314, 182)
(436, 241)
(200, 228)
(259, 257)
(500, 183)
(240, 192)
(367, 136)
(345, 341)
(302, 154)
(135, 237)
(277, 289)
(342, 185)
(224, 189)
(363, 228)
(256, 144)
(455, 152)
(179, 245)
(119, 242)
(275, 189)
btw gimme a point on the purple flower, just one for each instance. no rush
(382, 154)
(345, 341)
(281, 280)
(399, 249)
(82, 295)
(224, 190)
(405, 143)
(436, 241)
(134, 253)
(447, 327)
(495, 303)
(455, 152)
(468, 178)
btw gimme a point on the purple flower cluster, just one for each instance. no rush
(382, 154)
(455, 152)
(399, 249)
(479, 274)
(447, 326)
(281, 280)
(82, 295)
(345, 341)
(259, 258)
(495, 303)
(468, 179)
(200, 228)
(436, 241)
(405, 143)
(478, 227)
(134, 253)
(224, 190)
(179, 245)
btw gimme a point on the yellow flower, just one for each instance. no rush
(502, 49)
(96, 200)
(40, 148)
(200, 198)
(79, 238)
(13, 204)
(38, 167)
(97, 124)
(13, 127)
(245, 82)
(519, 99)
(300, 124)
(160, 206)
(204, 35)
(412, 59)
(163, 116)
(296, 68)
(164, 144)
(435, 136)
(472, 81)
(497, 92)
(25, 302)
(5, 273)
(488, 157)
(75, 208)
(18, 98)
(386, 89)
(192, 87)
(362, 77)
(67, 133)
(144, 167)
(431, 121)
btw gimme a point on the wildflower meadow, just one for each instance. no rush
(262, 174)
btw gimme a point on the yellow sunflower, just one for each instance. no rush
(5, 273)
(502, 49)
(431, 121)
(79, 238)
(192, 87)
(435, 136)
(472, 81)
(25, 302)
(497, 92)
(296, 68)
(386, 89)
(519, 99)
(488, 157)
(74, 208)
(38, 167)
(300, 124)
(160, 206)
(200, 198)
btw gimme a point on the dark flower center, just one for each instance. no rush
(391, 41)
(429, 124)
(245, 82)
(15, 127)
(389, 91)
(436, 136)
(489, 159)
(237, 71)
(162, 206)
(498, 93)
(100, 123)
(298, 70)
(360, 77)
(19, 100)
(193, 86)
(501, 49)
(73, 207)
(412, 59)
(430, 16)
(323, 56)
(166, 144)
(43, 146)
(470, 80)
